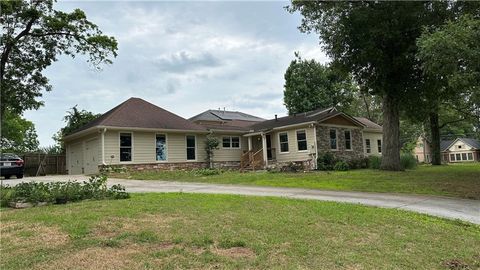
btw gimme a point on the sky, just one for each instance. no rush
(186, 57)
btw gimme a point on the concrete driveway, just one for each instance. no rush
(453, 208)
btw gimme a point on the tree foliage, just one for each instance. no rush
(18, 134)
(309, 85)
(211, 144)
(33, 35)
(74, 120)
(376, 42)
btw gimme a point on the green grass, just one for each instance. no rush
(181, 231)
(459, 180)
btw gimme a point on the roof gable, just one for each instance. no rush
(138, 113)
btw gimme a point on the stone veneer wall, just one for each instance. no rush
(323, 142)
(177, 166)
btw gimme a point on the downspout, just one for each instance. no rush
(315, 145)
(103, 145)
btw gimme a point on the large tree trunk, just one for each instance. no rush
(435, 145)
(391, 134)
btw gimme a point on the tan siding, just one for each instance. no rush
(144, 147)
(228, 154)
(373, 142)
(293, 153)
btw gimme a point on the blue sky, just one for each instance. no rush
(186, 57)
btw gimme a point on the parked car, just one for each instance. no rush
(11, 164)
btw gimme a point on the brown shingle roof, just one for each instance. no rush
(369, 124)
(138, 113)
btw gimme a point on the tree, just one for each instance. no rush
(376, 42)
(309, 85)
(33, 36)
(74, 120)
(451, 59)
(18, 134)
(211, 144)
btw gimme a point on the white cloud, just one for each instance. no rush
(185, 57)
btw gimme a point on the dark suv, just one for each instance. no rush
(11, 164)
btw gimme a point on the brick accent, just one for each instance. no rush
(226, 164)
(323, 142)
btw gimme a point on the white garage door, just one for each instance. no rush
(75, 159)
(91, 157)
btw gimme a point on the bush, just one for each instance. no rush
(374, 162)
(358, 163)
(408, 161)
(207, 172)
(61, 192)
(326, 161)
(341, 166)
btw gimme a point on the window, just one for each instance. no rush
(464, 156)
(161, 147)
(191, 147)
(458, 158)
(452, 157)
(459, 147)
(283, 139)
(348, 140)
(379, 145)
(367, 146)
(301, 140)
(333, 139)
(230, 142)
(470, 156)
(125, 147)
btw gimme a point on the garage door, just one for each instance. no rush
(75, 159)
(91, 156)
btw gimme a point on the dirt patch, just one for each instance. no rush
(456, 264)
(97, 258)
(235, 252)
(115, 226)
(21, 235)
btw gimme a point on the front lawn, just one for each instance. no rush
(179, 231)
(458, 180)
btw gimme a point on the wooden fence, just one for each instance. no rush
(42, 164)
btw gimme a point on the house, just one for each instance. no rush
(452, 151)
(141, 136)
(460, 150)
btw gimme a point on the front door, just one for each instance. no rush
(269, 147)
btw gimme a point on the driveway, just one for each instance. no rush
(453, 208)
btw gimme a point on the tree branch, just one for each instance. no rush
(451, 122)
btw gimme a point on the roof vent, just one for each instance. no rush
(276, 118)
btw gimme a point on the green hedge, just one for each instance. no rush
(61, 192)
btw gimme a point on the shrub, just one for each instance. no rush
(207, 172)
(358, 163)
(62, 192)
(408, 161)
(326, 161)
(374, 162)
(341, 166)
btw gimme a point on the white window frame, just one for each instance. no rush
(186, 147)
(379, 146)
(368, 147)
(306, 140)
(452, 159)
(120, 146)
(155, 145)
(351, 141)
(470, 154)
(336, 139)
(280, 143)
(231, 142)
